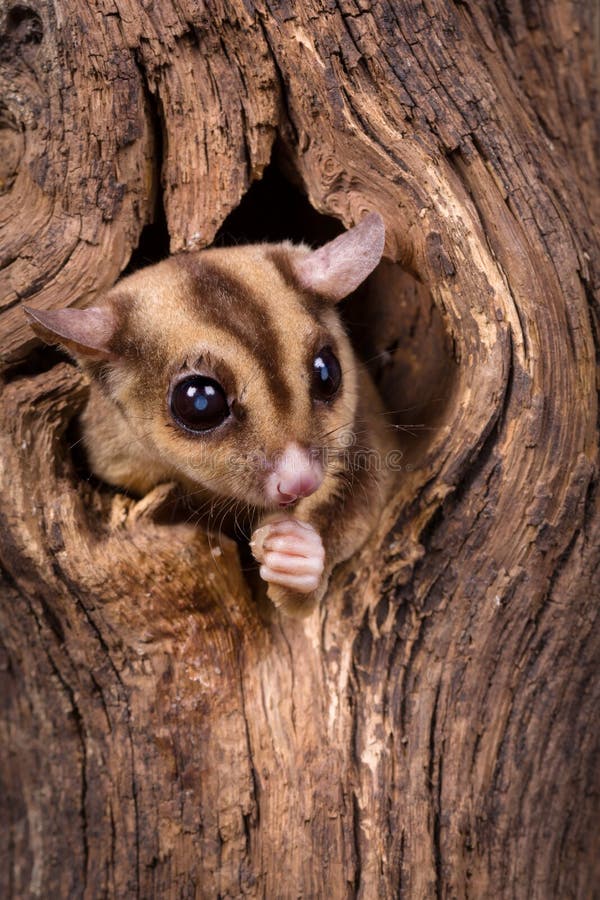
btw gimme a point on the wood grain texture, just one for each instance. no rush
(433, 730)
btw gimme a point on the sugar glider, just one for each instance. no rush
(229, 371)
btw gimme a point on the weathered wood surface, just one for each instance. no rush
(433, 731)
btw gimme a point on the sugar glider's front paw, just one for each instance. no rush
(292, 561)
(291, 554)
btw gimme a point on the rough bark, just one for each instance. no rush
(433, 729)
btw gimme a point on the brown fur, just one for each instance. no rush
(238, 316)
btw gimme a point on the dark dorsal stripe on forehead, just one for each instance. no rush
(280, 257)
(227, 302)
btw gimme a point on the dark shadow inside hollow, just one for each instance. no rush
(397, 330)
(392, 319)
(274, 209)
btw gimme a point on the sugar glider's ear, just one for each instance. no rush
(84, 332)
(337, 268)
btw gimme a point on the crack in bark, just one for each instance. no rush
(356, 844)
(435, 801)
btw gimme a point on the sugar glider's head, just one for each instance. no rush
(231, 365)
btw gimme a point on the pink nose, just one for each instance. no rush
(296, 486)
(296, 473)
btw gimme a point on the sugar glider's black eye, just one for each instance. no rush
(199, 403)
(326, 374)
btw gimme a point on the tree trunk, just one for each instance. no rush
(431, 731)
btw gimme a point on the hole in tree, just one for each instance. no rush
(392, 319)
